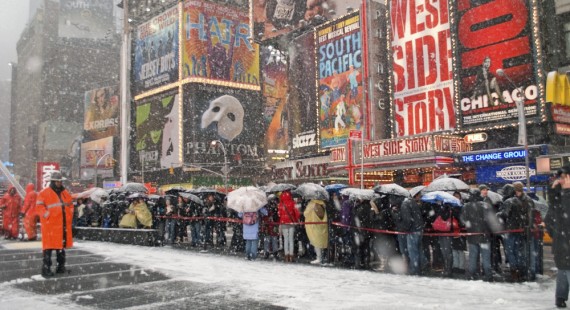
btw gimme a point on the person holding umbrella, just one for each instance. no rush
(288, 217)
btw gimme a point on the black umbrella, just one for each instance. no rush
(134, 188)
(281, 187)
(175, 190)
(203, 192)
(392, 189)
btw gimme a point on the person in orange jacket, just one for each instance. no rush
(55, 208)
(29, 212)
(11, 203)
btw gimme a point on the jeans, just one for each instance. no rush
(516, 251)
(273, 241)
(171, 230)
(402, 245)
(208, 238)
(415, 253)
(251, 249)
(195, 228)
(288, 239)
(562, 280)
(447, 253)
(483, 249)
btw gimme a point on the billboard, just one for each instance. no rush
(43, 174)
(101, 113)
(272, 18)
(157, 121)
(231, 116)
(275, 89)
(156, 51)
(80, 19)
(217, 44)
(493, 35)
(301, 112)
(340, 75)
(98, 150)
(422, 68)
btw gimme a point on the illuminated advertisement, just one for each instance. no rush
(340, 75)
(222, 114)
(301, 112)
(101, 112)
(97, 151)
(82, 19)
(157, 142)
(156, 51)
(275, 89)
(494, 45)
(43, 174)
(272, 18)
(422, 67)
(217, 44)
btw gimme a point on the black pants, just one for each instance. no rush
(60, 257)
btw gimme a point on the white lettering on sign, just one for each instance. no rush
(46, 174)
(515, 173)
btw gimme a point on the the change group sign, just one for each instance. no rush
(422, 64)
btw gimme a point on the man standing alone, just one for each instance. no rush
(55, 208)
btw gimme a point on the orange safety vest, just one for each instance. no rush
(58, 220)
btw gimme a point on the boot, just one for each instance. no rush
(560, 303)
(60, 269)
(47, 273)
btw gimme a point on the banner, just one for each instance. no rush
(275, 92)
(422, 67)
(301, 113)
(43, 174)
(228, 115)
(101, 112)
(156, 51)
(495, 35)
(217, 44)
(273, 18)
(80, 19)
(99, 150)
(508, 174)
(157, 142)
(340, 74)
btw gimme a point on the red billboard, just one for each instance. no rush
(495, 37)
(43, 173)
(422, 67)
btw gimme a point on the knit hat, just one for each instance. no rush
(483, 186)
(519, 187)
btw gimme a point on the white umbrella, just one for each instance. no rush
(357, 193)
(134, 188)
(191, 197)
(392, 189)
(446, 184)
(312, 191)
(494, 197)
(98, 194)
(281, 187)
(415, 190)
(247, 199)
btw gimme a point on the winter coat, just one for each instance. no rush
(11, 205)
(29, 207)
(250, 232)
(475, 216)
(56, 215)
(411, 214)
(270, 223)
(514, 212)
(346, 211)
(142, 213)
(317, 233)
(558, 225)
(288, 214)
(362, 217)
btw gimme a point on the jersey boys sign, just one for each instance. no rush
(495, 35)
(422, 64)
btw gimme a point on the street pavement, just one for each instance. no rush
(95, 282)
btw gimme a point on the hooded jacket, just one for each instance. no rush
(287, 212)
(55, 208)
(11, 203)
(29, 207)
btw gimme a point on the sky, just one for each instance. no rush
(302, 286)
(14, 16)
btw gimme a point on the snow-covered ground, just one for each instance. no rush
(299, 286)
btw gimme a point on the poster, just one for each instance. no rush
(422, 67)
(275, 90)
(301, 113)
(97, 151)
(80, 19)
(217, 44)
(43, 174)
(340, 74)
(156, 51)
(157, 142)
(101, 113)
(227, 115)
(494, 35)
(273, 18)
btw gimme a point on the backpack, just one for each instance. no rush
(250, 218)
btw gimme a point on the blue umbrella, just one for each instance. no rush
(335, 188)
(439, 196)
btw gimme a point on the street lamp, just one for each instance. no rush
(225, 169)
(97, 165)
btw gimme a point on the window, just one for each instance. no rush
(566, 29)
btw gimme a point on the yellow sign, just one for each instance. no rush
(557, 88)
